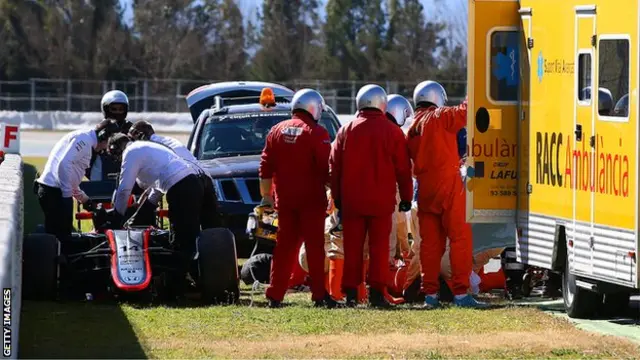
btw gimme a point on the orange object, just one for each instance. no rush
(392, 299)
(492, 280)
(441, 195)
(336, 270)
(398, 276)
(267, 98)
(362, 288)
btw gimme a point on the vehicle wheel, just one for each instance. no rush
(40, 267)
(527, 279)
(578, 303)
(218, 266)
(615, 303)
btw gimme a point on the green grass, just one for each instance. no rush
(90, 330)
(98, 330)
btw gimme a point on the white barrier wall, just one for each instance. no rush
(11, 231)
(64, 120)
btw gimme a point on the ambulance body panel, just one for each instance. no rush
(575, 123)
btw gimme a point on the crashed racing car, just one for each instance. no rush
(138, 262)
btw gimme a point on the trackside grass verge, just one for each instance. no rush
(92, 330)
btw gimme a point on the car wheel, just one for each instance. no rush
(218, 266)
(578, 302)
(40, 267)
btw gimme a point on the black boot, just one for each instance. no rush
(377, 299)
(274, 304)
(352, 297)
(328, 302)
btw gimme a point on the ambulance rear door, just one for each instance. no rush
(493, 74)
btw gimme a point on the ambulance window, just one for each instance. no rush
(504, 75)
(584, 76)
(613, 75)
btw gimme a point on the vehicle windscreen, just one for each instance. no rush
(244, 134)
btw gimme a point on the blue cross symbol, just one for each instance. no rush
(540, 66)
(507, 66)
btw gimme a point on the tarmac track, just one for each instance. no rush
(40, 143)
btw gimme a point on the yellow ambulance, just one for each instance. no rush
(553, 139)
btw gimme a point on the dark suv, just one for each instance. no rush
(228, 137)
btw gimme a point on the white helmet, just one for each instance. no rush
(372, 97)
(114, 97)
(309, 101)
(429, 91)
(399, 109)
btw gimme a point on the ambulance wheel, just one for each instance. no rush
(615, 303)
(579, 303)
(40, 267)
(218, 266)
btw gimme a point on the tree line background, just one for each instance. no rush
(284, 40)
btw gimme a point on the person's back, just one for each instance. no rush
(49, 175)
(175, 145)
(433, 143)
(297, 165)
(370, 143)
(153, 162)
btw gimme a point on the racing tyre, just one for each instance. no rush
(579, 303)
(218, 266)
(40, 267)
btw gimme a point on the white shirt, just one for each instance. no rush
(174, 145)
(180, 150)
(146, 162)
(68, 161)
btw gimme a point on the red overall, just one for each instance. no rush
(296, 157)
(441, 195)
(369, 157)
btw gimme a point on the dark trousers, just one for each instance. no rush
(185, 200)
(209, 216)
(58, 211)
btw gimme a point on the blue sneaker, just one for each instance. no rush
(469, 302)
(431, 302)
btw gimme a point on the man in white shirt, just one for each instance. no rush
(60, 181)
(150, 163)
(142, 130)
